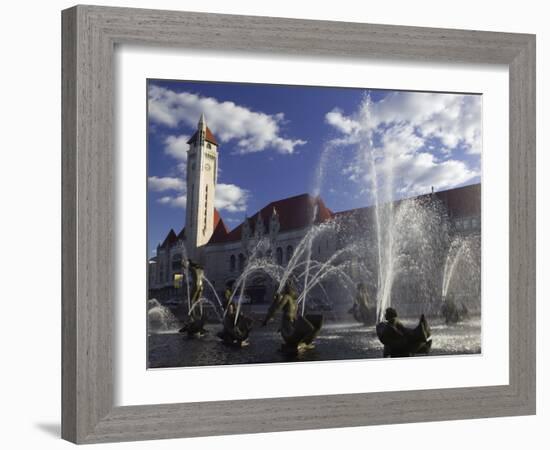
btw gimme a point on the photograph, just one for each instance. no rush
(275, 226)
(306, 223)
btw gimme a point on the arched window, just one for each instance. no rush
(279, 256)
(241, 262)
(289, 252)
(232, 263)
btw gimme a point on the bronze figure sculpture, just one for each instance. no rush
(236, 328)
(361, 310)
(298, 332)
(400, 341)
(196, 316)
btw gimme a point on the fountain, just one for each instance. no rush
(160, 318)
(362, 310)
(302, 270)
(297, 330)
(461, 279)
(404, 237)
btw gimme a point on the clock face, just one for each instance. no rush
(207, 166)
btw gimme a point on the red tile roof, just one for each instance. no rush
(219, 229)
(463, 201)
(209, 137)
(217, 219)
(220, 232)
(294, 212)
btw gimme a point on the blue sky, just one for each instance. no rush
(275, 139)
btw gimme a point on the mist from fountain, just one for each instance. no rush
(307, 272)
(263, 265)
(406, 236)
(461, 268)
(456, 250)
(185, 271)
(255, 263)
(327, 269)
(200, 303)
(160, 318)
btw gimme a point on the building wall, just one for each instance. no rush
(221, 271)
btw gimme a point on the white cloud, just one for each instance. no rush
(228, 197)
(179, 201)
(231, 198)
(161, 184)
(337, 119)
(452, 118)
(176, 146)
(253, 131)
(416, 141)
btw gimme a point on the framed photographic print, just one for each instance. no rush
(344, 232)
(290, 224)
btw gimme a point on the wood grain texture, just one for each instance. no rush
(89, 36)
(68, 225)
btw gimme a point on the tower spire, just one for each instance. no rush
(202, 122)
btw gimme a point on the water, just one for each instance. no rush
(307, 273)
(462, 271)
(337, 341)
(160, 318)
(406, 238)
(183, 249)
(217, 306)
(255, 263)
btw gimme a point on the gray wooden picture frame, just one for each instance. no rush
(90, 34)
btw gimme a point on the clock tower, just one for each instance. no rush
(202, 174)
